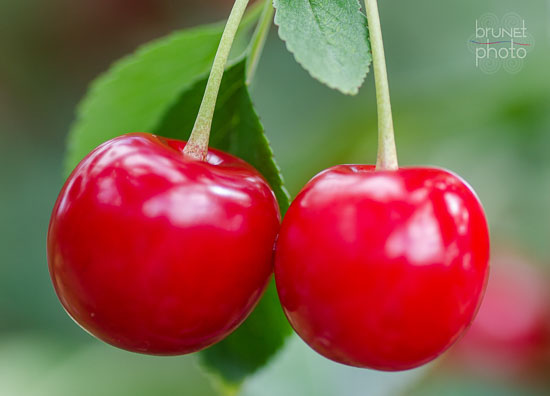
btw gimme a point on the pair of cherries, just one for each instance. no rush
(157, 253)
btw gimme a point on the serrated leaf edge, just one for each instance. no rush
(291, 49)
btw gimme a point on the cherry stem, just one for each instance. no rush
(197, 145)
(258, 40)
(387, 153)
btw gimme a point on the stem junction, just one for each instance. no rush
(197, 145)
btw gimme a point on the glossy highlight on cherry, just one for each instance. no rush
(382, 269)
(157, 253)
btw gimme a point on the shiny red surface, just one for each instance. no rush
(158, 254)
(382, 270)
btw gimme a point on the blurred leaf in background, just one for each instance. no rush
(93, 370)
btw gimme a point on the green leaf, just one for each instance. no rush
(237, 129)
(253, 344)
(137, 90)
(159, 90)
(329, 38)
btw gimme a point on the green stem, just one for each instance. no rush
(197, 146)
(387, 153)
(258, 40)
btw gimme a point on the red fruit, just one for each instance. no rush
(156, 253)
(382, 269)
(511, 333)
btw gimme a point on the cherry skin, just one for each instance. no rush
(155, 253)
(382, 269)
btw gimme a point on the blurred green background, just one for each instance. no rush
(493, 129)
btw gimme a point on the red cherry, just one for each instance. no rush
(511, 333)
(384, 269)
(156, 253)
